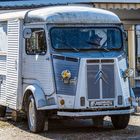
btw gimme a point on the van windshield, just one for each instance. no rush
(83, 38)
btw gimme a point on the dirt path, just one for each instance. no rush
(70, 130)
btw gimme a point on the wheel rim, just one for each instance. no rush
(32, 112)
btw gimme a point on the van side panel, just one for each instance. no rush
(3, 79)
(3, 56)
(13, 79)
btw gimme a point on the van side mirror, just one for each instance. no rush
(27, 33)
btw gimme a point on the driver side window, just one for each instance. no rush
(36, 44)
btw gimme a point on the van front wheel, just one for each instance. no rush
(120, 121)
(36, 118)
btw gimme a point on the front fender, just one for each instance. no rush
(38, 94)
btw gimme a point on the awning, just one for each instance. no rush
(127, 6)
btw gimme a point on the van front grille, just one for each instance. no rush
(100, 79)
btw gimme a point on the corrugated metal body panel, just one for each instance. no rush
(108, 84)
(12, 63)
(59, 67)
(37, 69)
(125, 84)
(92, 84)
(3, 57)
(100, 79)
(3, 79)
(3, 90)
(2, 64)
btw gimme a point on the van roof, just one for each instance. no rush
(63, 14)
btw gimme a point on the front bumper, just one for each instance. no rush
(96, 113)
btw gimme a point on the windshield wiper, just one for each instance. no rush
(67, 45)
(97, 46)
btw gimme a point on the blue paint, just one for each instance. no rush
(61, 65)
(92, 54)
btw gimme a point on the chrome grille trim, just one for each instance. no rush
(91, 82)
(100, 79)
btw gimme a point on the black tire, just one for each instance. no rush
(36, 124)
(2, 111)
(120, 121)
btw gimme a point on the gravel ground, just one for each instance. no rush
(70, 130)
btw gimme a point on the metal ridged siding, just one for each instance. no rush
(108, 85)
(92, 84)
(38, 70)
(100, 81)
(12, 63)
(3, 78)
(124, 84)
(59, 66)
(3, 90)
(3, 64)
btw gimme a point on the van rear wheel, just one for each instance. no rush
(120, 121)
(2, 111)
(36, 118)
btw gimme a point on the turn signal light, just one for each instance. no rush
(120, 100)
(82, 101)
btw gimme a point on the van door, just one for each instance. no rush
(37, 66)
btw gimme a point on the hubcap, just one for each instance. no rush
(32, 112)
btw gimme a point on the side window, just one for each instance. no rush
(3, 37)
(36, 44)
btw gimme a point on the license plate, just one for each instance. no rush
(101, 103)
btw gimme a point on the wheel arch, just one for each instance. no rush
(38, 95)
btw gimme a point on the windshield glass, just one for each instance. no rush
(83, 38)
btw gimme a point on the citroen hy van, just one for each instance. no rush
(64, 61)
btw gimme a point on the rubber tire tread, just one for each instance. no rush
(39, 118)
(120, 121)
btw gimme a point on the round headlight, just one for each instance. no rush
(66, 74)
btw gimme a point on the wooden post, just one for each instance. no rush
(132, 51)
